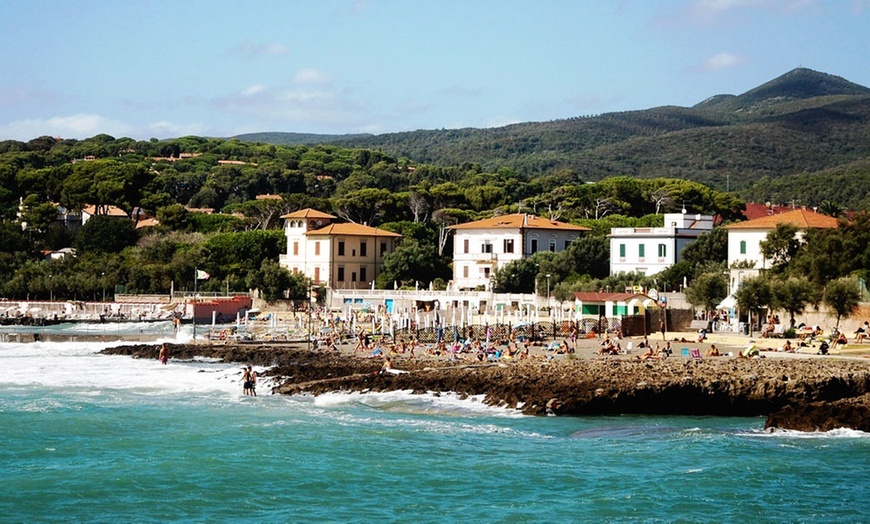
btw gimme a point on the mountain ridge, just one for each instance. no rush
(801, 122)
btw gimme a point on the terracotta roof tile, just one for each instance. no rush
(800, 218)
(308, 213)
(351, 229)
(112, 211)
(592, 296)
(519, 221)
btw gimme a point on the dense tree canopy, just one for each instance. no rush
(174, 180)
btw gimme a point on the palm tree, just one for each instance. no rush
(830, 208)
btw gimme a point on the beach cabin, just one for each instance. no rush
(626, 311)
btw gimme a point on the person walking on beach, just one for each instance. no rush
(662, 328)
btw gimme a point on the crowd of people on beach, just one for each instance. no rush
(471, 349)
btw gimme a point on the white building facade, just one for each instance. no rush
(337, 255)
(745, 259)
(649, 250)
(481, 248)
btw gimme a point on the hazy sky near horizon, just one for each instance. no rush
(218, 68)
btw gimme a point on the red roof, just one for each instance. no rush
(800, 218)
(351, 229)
(592, 296)
(308, 213)
(519, 221)
(754, 211)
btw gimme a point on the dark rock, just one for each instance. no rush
(851, 413)
(583, 386)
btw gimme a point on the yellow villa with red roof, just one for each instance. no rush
(482, 247)
(339, 255)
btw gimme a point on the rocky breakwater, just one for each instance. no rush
(583, 386)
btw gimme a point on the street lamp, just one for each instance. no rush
(103, 279)
(548, 295)
(310, 288)
(50, 290)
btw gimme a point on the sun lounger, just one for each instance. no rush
(695, 353)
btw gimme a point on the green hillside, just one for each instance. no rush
(802, 123)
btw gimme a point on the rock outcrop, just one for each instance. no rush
(851, 413)
(583, 386)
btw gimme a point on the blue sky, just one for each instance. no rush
(217, 68)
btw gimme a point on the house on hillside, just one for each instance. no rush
(339, 255)
(482, 247)
(744, 241)
(90, 211)
(649, 250)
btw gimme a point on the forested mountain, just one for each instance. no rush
(803, 138)
(768, 143)
(218, 205)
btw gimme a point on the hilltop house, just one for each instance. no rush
(90, 211)
(482, 247)
(649, 250)
(338, 255)
(744, 241)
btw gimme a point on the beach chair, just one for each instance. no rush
(695, 353)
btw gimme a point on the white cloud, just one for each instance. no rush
(252, 90)
(166, 129)
(87, 125)
(75, 126)
(310, 76)
(249, 49)
(325, 109)
(718, 62)
(714, 11)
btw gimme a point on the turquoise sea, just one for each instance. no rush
(94, 438)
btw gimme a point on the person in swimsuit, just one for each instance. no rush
(252, 382)
(163, 355)
(246, 381)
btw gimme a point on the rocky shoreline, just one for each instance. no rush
(804, 394)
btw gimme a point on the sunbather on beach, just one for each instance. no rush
(652, 353)
(713, 351)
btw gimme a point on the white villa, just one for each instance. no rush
(482, 247)
(338, 255)
(649, 250)
(744, 241)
